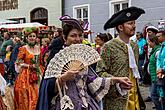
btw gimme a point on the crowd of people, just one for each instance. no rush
(151, 65)
(25, 55)
(110, 84)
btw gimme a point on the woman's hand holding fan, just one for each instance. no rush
(76, 57)
(68, 75)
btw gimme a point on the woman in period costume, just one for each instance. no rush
(29, 68)
(85, 90)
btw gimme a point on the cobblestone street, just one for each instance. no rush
(144, 91)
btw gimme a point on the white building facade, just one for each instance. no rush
(97, 12)
(43, 11)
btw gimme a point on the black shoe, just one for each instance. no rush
(148, 99)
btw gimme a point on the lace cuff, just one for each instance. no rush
(121, 91)
(95, 85)
(105, 90)
(100, 87)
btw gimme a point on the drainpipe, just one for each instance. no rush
(63, 8)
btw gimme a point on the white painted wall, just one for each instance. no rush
(54, 8)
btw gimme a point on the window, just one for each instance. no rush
(39, 13)
(119, 6)
(81, 13)
(8, 5)
(115, 6)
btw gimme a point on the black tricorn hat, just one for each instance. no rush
(71, 21)
(127, 14)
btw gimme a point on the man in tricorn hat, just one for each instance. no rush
(120, 57)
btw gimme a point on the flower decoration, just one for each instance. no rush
(35, 72)
(28, 30)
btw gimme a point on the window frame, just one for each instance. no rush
(111, 9)
(81, 7)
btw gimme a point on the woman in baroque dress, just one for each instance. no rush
(84, 90)
(30, 69)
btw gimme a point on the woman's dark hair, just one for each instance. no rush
(11, 48)
(67, 28)
(153, 30)
(8, 33)
(104, 36)
(140, 34)
(60, 31)
(43, 60)
(154, 39)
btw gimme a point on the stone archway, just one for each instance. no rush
(39, 15)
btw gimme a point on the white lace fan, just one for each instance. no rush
(74, 57)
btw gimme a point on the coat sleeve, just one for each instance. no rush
(103, 67)
(20, 59)
(98, 86)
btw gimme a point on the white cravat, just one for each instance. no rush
(132, 62)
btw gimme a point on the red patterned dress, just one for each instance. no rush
(25, 87)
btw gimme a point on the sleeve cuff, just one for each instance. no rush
(121, 91)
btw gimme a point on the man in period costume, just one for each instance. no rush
(120, 58)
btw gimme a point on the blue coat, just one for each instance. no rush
(161, 57)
